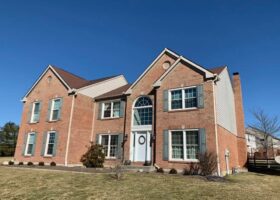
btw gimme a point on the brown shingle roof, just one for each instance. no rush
(74, 81)
(114, 93)
(217, 70)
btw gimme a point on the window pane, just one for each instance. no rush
(190, 98)
(114, 145)
(56, 104)
(116, 109)
(143, 116)
(36, 107)
(30, 144)
(107, 110)
(192, 144)
(104, 143)
(29, 148)
(176, 99)
(55, 114)
(31, 138)
(177, 145)
(50, 147)
(143, 101)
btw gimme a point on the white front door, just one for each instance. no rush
(142, 149)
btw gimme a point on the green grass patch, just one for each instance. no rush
(36, 184)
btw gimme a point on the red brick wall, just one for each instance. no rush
(240, 122)
(143, 87)
(43, 92)
(183, 76)
(81, 128)
(227, 141)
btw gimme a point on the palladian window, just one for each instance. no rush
(143, 112)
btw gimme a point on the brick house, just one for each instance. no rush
(175, 110)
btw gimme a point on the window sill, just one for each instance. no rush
(183, 110)
(27, 155)
(53, 121)
(109, 158)
(33, 122)
(48, 156)
(184, 161)
(110, 118)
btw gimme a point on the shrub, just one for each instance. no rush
(11, 162)
(208, 163)
(20, 163)
(30, 163)
(41, 164)
(206, 166)
(94, 157)
(160, 170)
(193, 169)
(173, 171)
(53, 164)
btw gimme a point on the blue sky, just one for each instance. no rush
(102, 38)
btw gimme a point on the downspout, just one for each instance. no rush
(92, 123)
(124, 130)
(216, 128)
(69, 130)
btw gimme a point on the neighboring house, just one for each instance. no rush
(255, 142)
(174, 111)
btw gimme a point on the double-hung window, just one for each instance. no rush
(183, 98)
(55, 109)
(30, 143)
(111, 109)
(110, 145)
(50, 143)
(35, 112)
(184, 145)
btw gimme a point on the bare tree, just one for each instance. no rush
(267, 125)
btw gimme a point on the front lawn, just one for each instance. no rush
(2, 159)
(37, 184)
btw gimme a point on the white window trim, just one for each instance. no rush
(52, 107)
(107, 156)
(27, 144)
(183, 99)
(47, 144)
(184, 146)
(33, 110)
(111, 111)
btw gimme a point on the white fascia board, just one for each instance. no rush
(101, 82)
(41, 76)
(129, 90)
(181, 58)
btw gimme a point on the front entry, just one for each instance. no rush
(142, 148)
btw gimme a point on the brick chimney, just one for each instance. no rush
(240, 122)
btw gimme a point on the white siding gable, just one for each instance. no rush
(225, 103)
(103, 87)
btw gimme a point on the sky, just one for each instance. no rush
(94, 39)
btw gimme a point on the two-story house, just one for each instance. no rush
(174, 111)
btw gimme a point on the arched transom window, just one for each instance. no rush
(143, 112)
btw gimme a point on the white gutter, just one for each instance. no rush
(69, 131)
(216, 128)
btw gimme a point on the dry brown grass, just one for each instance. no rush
(2, 159)
(35, 184)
